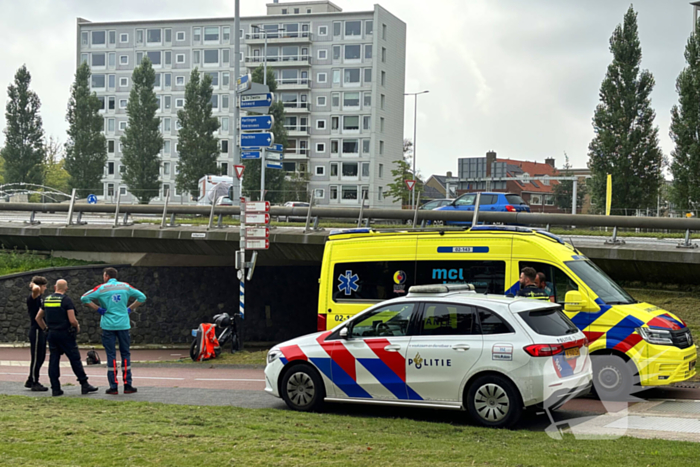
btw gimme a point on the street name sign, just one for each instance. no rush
(257, 244)
(244, 82)
(275, 148)
(261, 122)
(257, 232)
(257, 218)
(257, 206)
(247, 155)
(273, 165)
(274, 156)
(256, 100)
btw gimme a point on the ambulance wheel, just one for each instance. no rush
(194, 350)
(302, 388)
(613, 378)
(494, 401)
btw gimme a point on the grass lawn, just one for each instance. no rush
(85, 432)
(12, 261)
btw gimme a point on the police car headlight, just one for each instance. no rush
(273, 355)
(655, 336)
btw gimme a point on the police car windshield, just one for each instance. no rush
(606, 289)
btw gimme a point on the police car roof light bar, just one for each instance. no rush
(440, 288)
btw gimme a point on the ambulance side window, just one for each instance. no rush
(557, 280)
(372, 280)
(486, 276)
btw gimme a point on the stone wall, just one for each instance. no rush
(281, 302)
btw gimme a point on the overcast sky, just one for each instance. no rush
(518, 77)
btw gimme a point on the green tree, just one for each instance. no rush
(275, 182)
(197, 145)
(398, 190)
(2, 168)
(55, 174)
(297, 187)
(564, 189)
(685, 131)
(626, 142)
(86, 148)
(142, 140)
(24, 134)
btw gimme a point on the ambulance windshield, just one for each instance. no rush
(606, 289)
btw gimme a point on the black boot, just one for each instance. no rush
(86, 388)
(57, 392)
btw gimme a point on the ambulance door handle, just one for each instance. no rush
(461, 347)
(392, 348)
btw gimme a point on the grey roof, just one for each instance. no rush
(431, 193)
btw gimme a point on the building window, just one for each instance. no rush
(352, 76)
(122, 190)
(168, 57)
(224, 168)
(123, 103)
(166, 125)
(333, 190)
(110, 168)
(320, 170)
(166, 168)
(168, 78)
(225, 55)
(197, 34)
(322, 54)
(351, 99)
(383, 54)
(381, 170)
(215, 101)
(368, 99)
(111, 103)
(368, 51)
(350, 169)
(337, 28)
(179, 80)
(226, 33)
(123, 38)
(334, 146)
(379, 193)
(224, 124)
(366, 146)
(336, 52)
(211, 34)
(369, 27)
(319, 193)
(384, 32)
(383, 101)
(112, 60)
(335, 123)
(211, 57)
(335, 100)
(296, 11)
(98, 60)
(195, 56)
(549, 200)
(535, 200)
(321, 124)
(168, 35)
(123, 82)
(366, 123)
(320, 147)
(224, 146)
(139, 58)
(284, 11)
(111, 80)
(321, 77)
(349, 192)
(351, 146)
(322, 31)
(368, 75)
(112, 37)
(351, 123)
(110, 146)
(122, 125)
(383, 78)
(381, 124)
(381, 147)
(154, 57)
(321, 101)
(98, 38)
(98, 81)
(224, 101)
(225, 78)
(180, 36)
(179, 103)
(214, 75)
(123, 59)
(84, 58)
(180, 58)
(353, 28)
(365, 169)
(353, 52)
(153, 36)
(84, 39)
(334, 169)
(139, 36)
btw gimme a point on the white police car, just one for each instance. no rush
(441, 346)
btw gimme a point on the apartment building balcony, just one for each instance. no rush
(297, 130)
(293, 84)
(279, 37)
(297, 107)
(253, 61)
(296, 154)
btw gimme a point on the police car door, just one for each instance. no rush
(446, 346)
(377, 345)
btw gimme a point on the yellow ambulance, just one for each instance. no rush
(630, 343)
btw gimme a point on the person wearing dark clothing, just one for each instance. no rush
(37, 337)
(527, 285)
(58, 316)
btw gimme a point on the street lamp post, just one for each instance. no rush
(415, 128)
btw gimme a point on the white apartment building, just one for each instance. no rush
(341, 77)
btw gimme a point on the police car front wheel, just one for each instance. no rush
(302, 388)
(494, 401)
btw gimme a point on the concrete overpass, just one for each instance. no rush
(639, 259)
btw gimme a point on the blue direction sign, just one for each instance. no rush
(247, 155)
(273, 165)
(262, 122)
(256, 140)
(274, 156)
(275, 148)
(244, 83)
(92, 199)
(256, 100)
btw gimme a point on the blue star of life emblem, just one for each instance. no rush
(116, 298)
(348, 282)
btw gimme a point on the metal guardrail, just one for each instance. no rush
(362, 214)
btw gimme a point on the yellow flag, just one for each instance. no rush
(608, 196)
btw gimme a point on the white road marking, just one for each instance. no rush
(225, 379)
(101, 375)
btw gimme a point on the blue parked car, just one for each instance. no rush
(490, 202)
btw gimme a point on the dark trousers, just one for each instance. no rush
(109, 339)
(60, 343)
(37, 341)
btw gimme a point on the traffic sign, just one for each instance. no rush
(256, 140)
(239, 170)
(257, 232)
(274, 156)
(257, 218)
(257, 206)
(92, 199)
(273, 165)
(262, 122)
(256, 100)
(262, 244)
(275, 148)
(247, 155)
(243, 83)
(410, 184)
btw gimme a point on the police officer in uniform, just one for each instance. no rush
(58, 316)
(37, 338)
(527, 285)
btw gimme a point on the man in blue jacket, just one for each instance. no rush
(113, 298)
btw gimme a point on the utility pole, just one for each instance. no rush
(415, 130)
(236, 75)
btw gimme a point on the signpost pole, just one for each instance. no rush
(262, 174)
(236, 75)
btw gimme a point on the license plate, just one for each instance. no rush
(572, 353)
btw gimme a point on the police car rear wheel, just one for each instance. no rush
(494, 401)
(302, 388)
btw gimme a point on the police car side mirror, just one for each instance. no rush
(574, 301)
(343, 333)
